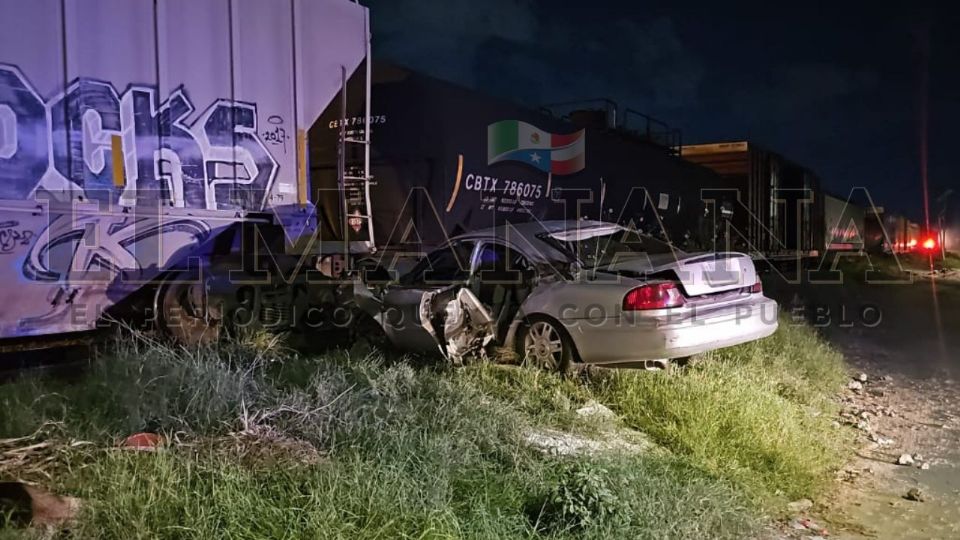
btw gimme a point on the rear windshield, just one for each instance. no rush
(601, 247)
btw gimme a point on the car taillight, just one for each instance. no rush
(653, 296)
(756, 287)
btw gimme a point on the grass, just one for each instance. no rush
(951, 261)
(274, 445)
(887, 267)
(759, 415)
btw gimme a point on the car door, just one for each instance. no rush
(441, 268)
(465, 319)
(502, 279)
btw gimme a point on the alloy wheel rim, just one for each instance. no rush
(543, 345)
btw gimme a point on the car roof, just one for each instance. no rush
(533, 228)
(519, 234)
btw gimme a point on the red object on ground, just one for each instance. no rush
(143, 441)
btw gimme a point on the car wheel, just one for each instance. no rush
(369, 334)
(545, 344)
(682, 361)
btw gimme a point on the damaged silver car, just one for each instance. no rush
(563, 292)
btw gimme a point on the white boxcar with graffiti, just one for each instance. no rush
(134, 132)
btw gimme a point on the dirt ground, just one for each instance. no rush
(905, 339)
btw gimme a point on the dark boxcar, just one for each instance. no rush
(772, 203)
(875, 236)
(446, 160)
(844, 224)
(903, 235)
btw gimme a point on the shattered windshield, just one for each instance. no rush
(442, 266)
(601, 246)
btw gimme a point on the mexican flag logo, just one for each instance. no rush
(513, 140)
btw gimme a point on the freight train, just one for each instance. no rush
(446, 159)
(209, 165)
(153, 159)
(773, 205)
(777, 209)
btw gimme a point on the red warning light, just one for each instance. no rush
(929, 243)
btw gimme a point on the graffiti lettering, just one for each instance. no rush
(276, 135)
(8, 132)
(25, 132)
(74, 246)
(214, 162)
(11, 237)
(82, 123)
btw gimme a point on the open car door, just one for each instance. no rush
(458, 322)
(471, 319)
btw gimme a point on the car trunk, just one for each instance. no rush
(699, 274)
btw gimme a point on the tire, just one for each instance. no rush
(183, 313)
(367, 333)
(544, 343)
(682, 361)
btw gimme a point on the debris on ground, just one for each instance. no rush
(27, 504)
(146, 442)
(881, 441)
(799, 506)
(862, 377)
(807, 524)
(261, 446)
(904, 432)
(914, 494)
(593, 409)
(851, 474)
(856, 386)
(561, 443)
(36, 457)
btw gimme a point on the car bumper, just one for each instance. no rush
(632, 337)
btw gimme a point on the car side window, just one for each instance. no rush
(497, 262)
(443, 266)
(500, 269)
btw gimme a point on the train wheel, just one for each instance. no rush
(184, 312)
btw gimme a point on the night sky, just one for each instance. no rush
(834, 86)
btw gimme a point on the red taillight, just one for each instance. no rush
(756, 287)
(653, 296)
(929, 243)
